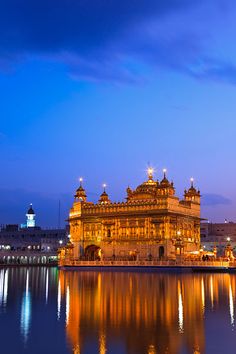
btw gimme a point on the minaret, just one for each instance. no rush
(80, 194)
(30, 221)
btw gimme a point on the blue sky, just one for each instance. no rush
(101, 89)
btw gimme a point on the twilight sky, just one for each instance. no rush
(103, 88)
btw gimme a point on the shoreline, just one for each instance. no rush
(177, 269)
(216, 266)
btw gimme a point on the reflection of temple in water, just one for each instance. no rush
(122, 312)
(148, 313)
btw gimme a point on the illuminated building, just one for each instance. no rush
(153, 223)
(29, 244)
(30, 217)
(218, 235)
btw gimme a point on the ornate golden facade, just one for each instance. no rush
(153, 223)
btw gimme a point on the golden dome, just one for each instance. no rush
(146, 190)
(164, 182)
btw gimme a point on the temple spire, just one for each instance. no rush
(164, 173)
(150, 171)
(191, 181)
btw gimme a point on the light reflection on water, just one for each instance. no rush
(231, 304)
(3, 287)
(116, 312)
(148, 313)
(26, 311)
(46, 290)
(59, 300)
(203, 295)
(180, 309)
(67, 304)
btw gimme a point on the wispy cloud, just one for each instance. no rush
(215, 199)
(95, 39)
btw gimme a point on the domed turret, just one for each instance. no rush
(80, 194)
(104, 199)
(129, 193)
(164, 182)
(192, 194)
(31, 210)
(165, 187)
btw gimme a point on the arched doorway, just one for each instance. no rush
(161, 252)
(92, 253)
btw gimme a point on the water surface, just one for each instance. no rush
(43, 310)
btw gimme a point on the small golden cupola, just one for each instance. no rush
(165, 187)
(129, 193)
(192, 194)
(104, 198)
(80, 194)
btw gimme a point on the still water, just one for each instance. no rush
(43, 310)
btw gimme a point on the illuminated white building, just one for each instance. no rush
(30, 222)
(30, 243)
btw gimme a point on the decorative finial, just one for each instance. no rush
(164, 172)
(191, 180)
(150, 171)
(104, 186)
(80, 180)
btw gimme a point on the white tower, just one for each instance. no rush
(30, 221)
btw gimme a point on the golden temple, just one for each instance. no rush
(152, 224)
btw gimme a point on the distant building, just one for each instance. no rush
(30, 217)
(218, 235)
(30, 243)
(153, 223)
